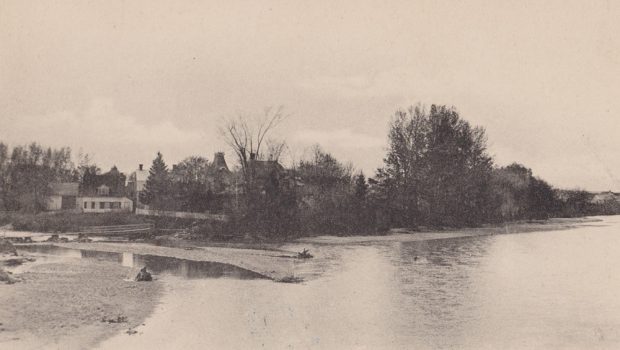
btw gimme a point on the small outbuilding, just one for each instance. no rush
(63, 196)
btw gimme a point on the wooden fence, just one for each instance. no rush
(182, 215)
(116, 230)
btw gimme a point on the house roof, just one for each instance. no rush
(65, 188)
(142, 175)
(263, 168)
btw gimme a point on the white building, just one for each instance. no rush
(136, 183)
(103, 204)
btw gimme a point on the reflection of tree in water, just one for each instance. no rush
(437, 285)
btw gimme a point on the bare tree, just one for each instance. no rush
(247, 136)
(275, 148)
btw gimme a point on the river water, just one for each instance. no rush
(539, 290)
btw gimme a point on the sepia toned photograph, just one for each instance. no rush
(270, 174)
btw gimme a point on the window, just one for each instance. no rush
(85, 205)
(101, 205)
(92, 205)
(103, 190)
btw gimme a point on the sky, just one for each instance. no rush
(121, 80)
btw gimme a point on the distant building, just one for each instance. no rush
(136, 184)
(63, 196)
(270, 175)
(104, 193)
(66, 196)
(266, 173)
(104, 204)
(111, 184)
(605, 197)
(219, 177)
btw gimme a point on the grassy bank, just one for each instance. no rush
(200, 231)
(66, 222)
(61, 222)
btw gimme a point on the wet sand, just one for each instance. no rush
(60, 304)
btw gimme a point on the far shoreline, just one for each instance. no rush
(523, 226)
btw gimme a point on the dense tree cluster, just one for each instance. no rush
(436, 173)
(184, 188)
(26, 173)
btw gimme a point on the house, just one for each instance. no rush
(270, 175)
(104, 193)
(136, 184)
(111, 184)
(63, 196)
(266, 173)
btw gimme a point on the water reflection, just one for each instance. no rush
(554, 289)
(188, 269)
(434, 280)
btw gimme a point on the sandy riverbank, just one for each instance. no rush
(60, 304)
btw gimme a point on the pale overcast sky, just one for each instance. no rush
(124, 79)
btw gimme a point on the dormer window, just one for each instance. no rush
(103, 190)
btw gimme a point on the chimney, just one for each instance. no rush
(219, 162)
(141, 166)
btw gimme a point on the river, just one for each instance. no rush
(541, 290)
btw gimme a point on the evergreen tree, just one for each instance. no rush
(157, 189)
(361, 187)
(190, 184)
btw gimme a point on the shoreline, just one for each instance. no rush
(553, 224)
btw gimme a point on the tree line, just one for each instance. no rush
(437, 172)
